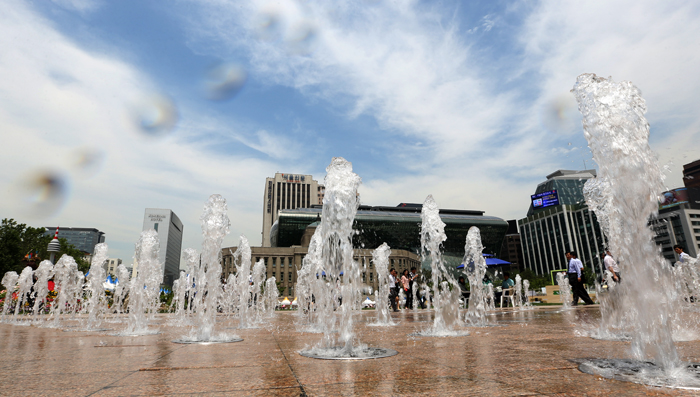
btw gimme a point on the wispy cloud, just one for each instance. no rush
(61, 99)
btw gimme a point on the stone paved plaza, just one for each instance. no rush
(530, 353)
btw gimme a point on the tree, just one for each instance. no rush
(536, 282)
(16, 241)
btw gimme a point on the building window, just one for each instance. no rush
(371, 277)
(290, 276)
(364, 277)
(274, 274)
(281, 276)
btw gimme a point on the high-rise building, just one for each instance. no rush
(691, 174)
(512, 250)
(288, 191)
(84, 239)
(559, 221)
(169, 228)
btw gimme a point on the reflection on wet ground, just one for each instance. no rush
(531, 352)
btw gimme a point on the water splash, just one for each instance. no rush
(215, 226)
(624, 197)
(67, 284)
(121, 290)
(518, 295)
(96, 303)
(9, 281)
(145, 286)
(42, 273)
(475, 269)
(445, 289)
(271, 296)
(564, 290)
(380, 258)
(332, 253)
(24, 288)
(242, 260)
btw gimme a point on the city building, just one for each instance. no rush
(84, 239)
(282, 263)
(111, 266)
(169, 228)
(691, 174)
(678, 221)
(512, 250)
(558, 221)
(287, 191)
(399, 227)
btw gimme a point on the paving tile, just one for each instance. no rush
(530, 353)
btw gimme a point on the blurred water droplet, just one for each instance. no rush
(301, 38)
(88, 160)
(559, 115)
(43, 193)
(156, 115)
(268, 26)
(224, 81)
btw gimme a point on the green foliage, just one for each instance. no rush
(16, 241)
(280, 288)
(167, 299)
(536, 282)
(587, 276)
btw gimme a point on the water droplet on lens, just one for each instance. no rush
(156, 115)
(88, 160)
(43, 193)
(301, 38)
(268, 24)
(224, 81)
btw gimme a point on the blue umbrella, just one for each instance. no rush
(490, 261)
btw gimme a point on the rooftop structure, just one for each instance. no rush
(561, 223)
(287, 191)
(84, 239)
(399, 227)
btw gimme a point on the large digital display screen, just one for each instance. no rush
(545, 199)
(673, 198)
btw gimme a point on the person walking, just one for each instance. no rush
(405, 284)
(683, 257)
(393, 290)
(575, 273)
(611, 265)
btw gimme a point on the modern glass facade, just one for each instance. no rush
(399, 228)
(169, 228)
(548, 233)
(84, 239)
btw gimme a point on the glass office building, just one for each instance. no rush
(169, 228)
(84, 239)
(549, 231)
(399, 227)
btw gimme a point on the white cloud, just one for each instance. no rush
(57, 98)
(655, 45)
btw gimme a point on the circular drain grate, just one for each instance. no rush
(643, 372)
(207, 342)
(339, 353)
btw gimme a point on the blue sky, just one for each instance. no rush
(467, 101)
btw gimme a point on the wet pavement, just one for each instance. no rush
(529, 354)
